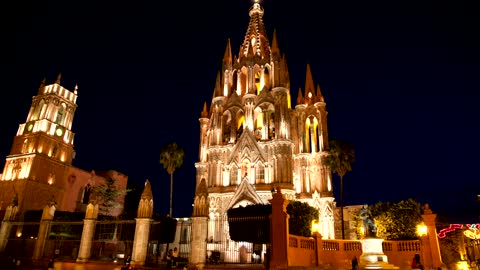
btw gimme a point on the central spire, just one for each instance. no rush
(256, 36)
(256, 8)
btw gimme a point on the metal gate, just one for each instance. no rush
(222, 250)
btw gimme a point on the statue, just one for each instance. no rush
(368, 223)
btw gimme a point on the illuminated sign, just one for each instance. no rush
(471, 230)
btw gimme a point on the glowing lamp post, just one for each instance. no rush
(421, 229)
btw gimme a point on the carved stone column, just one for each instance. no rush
(10, 215)
(198, 247)
(142, 227)
(140, 242)
(88, 232)
(47, 217)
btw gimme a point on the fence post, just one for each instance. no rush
(47, 217)
(279, 232)
(142, 226)
(88, 232)
(198, 247)
(432, 254)
(10, 215)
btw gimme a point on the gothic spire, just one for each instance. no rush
(227, 56)
(309, 86)
(204, 113)
(43, 83)
(299, 96)
(256, 35)
(217, 91)
(59, 77)
(319, 94)
(275, 49)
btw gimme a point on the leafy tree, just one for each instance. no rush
(340, 159)
(301, 217)
(171, 157)
(108, 194)
(395, 221)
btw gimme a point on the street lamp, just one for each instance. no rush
(421, 229)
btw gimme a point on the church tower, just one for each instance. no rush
(36, 168)
(252, 140)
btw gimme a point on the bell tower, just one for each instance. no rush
(42, 149)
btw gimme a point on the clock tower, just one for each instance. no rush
(37, 167)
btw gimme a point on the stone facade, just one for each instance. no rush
(252, 140)
(39, 167)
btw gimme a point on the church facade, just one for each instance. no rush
(39, 168)
(252, 140)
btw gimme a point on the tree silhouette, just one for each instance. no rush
(171, 157)
(340, 158)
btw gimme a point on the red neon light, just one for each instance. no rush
(443, 232)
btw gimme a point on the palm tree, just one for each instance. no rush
(171, 157)
(340, 159)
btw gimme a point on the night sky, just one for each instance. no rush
(399, 78)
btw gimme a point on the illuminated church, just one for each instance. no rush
(39, 168)
(252, 140)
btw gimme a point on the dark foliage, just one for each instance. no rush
(250, 223)
(301, 217)
(395, 221)
(164, 230)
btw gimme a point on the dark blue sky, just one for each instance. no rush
(400, 79)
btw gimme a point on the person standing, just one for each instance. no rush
(416, 264)
(354, 263)
(50, 264)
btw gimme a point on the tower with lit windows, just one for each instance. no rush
(252, 140)
(42, 149)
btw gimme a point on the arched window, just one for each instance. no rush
(271, 126)
(260, 174)
(38, 109)
(25, 146)
(86, 194)
(60, 114)
(258, 85)
(266, 77)
(240, 120)
(234, 175)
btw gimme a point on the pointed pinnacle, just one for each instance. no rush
(299, 96)
(204, 113)
(227, 56)
(43, 83)
(147, 191)
(309, 86)
(218, 90)
(275, 49)
(59, 77)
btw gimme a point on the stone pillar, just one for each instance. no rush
(198, 246)
(88, 232)
(199, 242)
(10, 215)
(142, 227)
(431, 254)
(140, 242)
(47, 217)
(279, 232)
